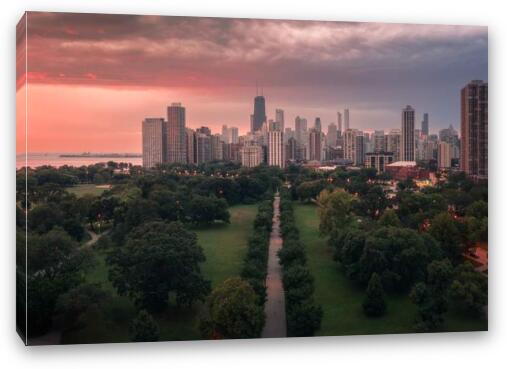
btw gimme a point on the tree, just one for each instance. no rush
(431, 297)
(309, 190)
(389, 218)
(373, 203)
(398, 255)
(233, 312)
(42, 218)
(444, 229)
(54, 266)
(157, 259)
(469, 289)
(205, 210)
(144, 328)
(74, 303)
(304, 319)
(334, 210)
(374, 302)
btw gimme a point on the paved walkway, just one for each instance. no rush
(275, 324)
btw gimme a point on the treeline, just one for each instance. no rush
(303, 315)
(235, 308)
(255, 263)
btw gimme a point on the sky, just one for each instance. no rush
(90, 79)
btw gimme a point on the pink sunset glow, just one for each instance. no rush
(93, 78)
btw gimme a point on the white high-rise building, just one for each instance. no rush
(408, 134)
(276, 149)
(154, 142)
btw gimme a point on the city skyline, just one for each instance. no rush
(82, 101)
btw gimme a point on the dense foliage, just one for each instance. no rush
(158, 259)
(233, 311)
(303, 315)
(254, 269)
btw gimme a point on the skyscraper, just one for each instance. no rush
(425, 124)
(225, 132)
(444, 155)
(301, 128)
(280, 118)
(315, 144)
(394, 143)
(259, 116)
(251, 155)
(154, 142)
(176, 133)
(191, 146)
(474, 129)
(359, 149)
(379, 141)
(234, 135)
(332, 135)
(407, 134)
(450, 135)
(318, 124)
(340, 124)
(346, 118)
(276, 149)
(291, 149)
(203, 148)
(216, 147)
(350, 144)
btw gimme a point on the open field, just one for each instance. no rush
(341, 300)
(87, 189)
(224, 247)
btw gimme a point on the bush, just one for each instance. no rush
(374, 302)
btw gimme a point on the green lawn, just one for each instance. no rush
(86, 189)
(224, 247)
(341, 300)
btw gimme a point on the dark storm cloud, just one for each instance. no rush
(150, 50)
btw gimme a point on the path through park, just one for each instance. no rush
(275, 324)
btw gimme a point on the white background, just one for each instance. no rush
(468, 350)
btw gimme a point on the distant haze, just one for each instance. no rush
(92, 78)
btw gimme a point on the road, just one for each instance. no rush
(275, 324)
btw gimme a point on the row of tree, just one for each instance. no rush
(303, 315)
(235, 309)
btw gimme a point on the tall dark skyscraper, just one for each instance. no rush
(408, 134)
(259, 116)
(474, 129)
(425, 124)
(318, 124)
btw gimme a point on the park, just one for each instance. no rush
(248, 253)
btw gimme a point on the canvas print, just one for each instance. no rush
(192, 178)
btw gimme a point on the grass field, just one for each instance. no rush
(341, 300)
(224, 247)
(86, 189)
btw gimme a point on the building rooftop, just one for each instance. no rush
(402, 164)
